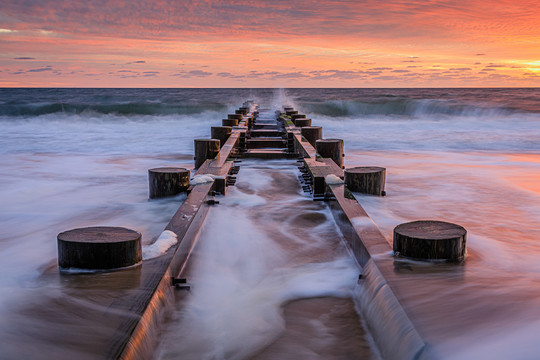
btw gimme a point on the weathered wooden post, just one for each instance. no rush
(229, 122)
(302, 122)
(221, 133)
(430, 240)
(167, 181)
(311, 133)
(100, 247)
(366, 179)
(297, 116)
(291, 112)
(205, 149)
(331, 148)
(244, 110)
(249, 122)
(235, 116)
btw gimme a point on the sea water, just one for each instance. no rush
(78, 157)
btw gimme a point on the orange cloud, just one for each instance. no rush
(269, 43)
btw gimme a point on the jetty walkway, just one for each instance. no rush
(136, 313)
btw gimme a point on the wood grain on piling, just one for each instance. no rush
(430, 240)
(99, 247)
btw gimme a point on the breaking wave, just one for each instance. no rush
(128, 108)
(402, 107)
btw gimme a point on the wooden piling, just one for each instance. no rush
(311, 133)
(331, 148)
(205, 149)
(235, 116)
(291, 112)
(366, 179)
(221, 133)
(167, 181)
(99, 248)
(229, 122)
(430, 240)
(297, 116)
(302, 122)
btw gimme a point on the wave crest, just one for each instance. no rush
(127, 108)
(401, 106)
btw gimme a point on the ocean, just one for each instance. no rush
(79, 157)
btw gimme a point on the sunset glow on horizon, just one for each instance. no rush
(166, 43)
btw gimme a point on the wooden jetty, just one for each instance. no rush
(262, 133)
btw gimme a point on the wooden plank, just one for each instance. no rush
(368, 244)
(336, 170)
(268, 154)
(136, 336)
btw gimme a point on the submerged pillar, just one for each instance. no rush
(366, 179)
(99, 247)
(302, 122)
(229, 122)
(235, 116)
(297, 116)
(430, 240)
(167, 181)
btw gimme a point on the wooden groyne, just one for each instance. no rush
(284, 134)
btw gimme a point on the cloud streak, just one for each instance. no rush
(270, 43)
(153, 19)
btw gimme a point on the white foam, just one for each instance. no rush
(201, 179)
(240, 282)
(161, 245)
(361, 222)
(333, 180)
(243, 199)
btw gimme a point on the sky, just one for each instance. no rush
(274, 43)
